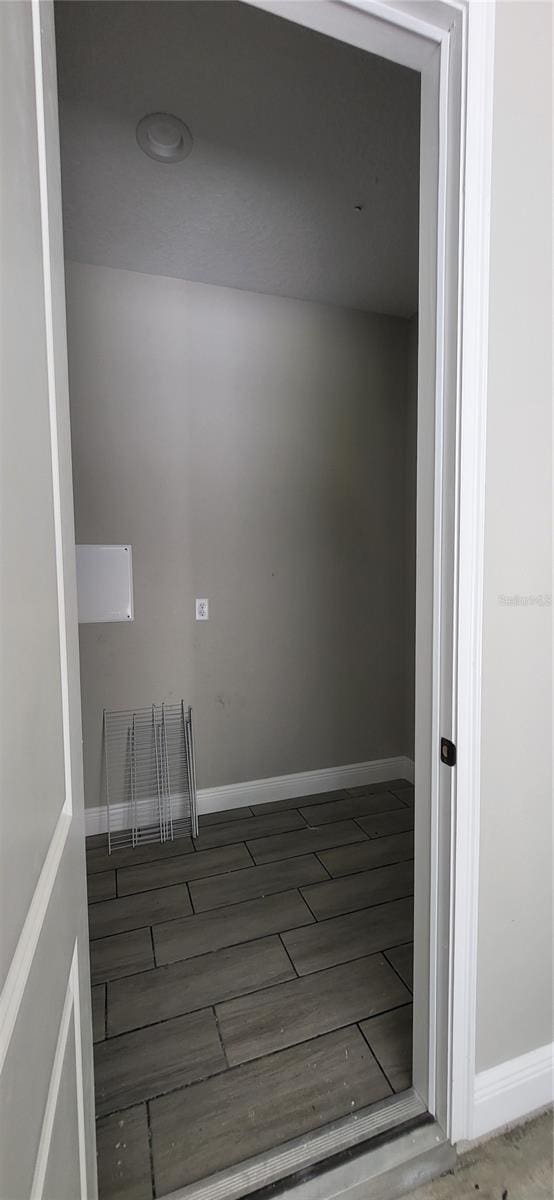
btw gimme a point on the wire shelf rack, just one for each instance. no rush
(150, 775)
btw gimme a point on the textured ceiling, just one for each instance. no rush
(291, 131)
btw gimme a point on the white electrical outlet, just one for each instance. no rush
(202, 610)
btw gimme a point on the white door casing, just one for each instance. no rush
(46, 1090)
(46, 1095)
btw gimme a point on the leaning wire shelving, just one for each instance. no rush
(150, 777)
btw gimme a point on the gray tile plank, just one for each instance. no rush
(297, 802)
(149, 1062)
(221, 927)
(250, 827)
(220, 890)
(98, 858)
(303, 1008)
(360, 891)
(96, 839)
(182, 987)
(406, 795)
(138, 909)
(386, 785)
(383, 824)
(347, 860)
(122, 954)
(101, 886)
(222, 815)
(342, 939)
(160, 873)
(390, 1038)
(402, 959)
(289, 845)
(352, 806)
(255, 1107)
(98, 1012)
(123, 1153)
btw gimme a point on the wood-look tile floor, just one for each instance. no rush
(249, 987)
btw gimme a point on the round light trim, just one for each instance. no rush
(164, 137)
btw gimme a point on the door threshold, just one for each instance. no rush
(361, 1141)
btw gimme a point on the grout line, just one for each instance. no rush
(381, 812)
(347, 912)
(233, 870)
(232, 903)
(155, 858)
(221, 1042)
(160, 888)
(131, 975)
(249, 1061)
(392, 966)
(353, 841)
(378, 837)
(175, 882)
(193, 958)
(372, 1051)
(150, 1150)
(135, 928)
(260, 938)
(280, 936)
(252, 992)
(328, 873)
(112, 863)
(306, 902)
(184, 916)
(172, 1090)
(221, 908)
(364, 831)
(244, 812)
(253, 837)
(297, 803)
(104, 936)
(249, 852)
(396, 862)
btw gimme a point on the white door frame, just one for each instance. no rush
(46, 1069)
(396, 29)
(463, 33)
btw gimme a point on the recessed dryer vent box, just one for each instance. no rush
(104, 583)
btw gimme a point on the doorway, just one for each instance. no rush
(270, 458)
(357, 801)
(45, 1035)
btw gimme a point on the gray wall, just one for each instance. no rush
(514, 1000)
(253, 450)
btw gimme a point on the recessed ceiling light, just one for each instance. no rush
(164, 137)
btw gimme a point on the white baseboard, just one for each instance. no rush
(280, 787)
(513, 1090)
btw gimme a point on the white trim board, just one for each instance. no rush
(475, 248)
(513, 1090)
(279, 787)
